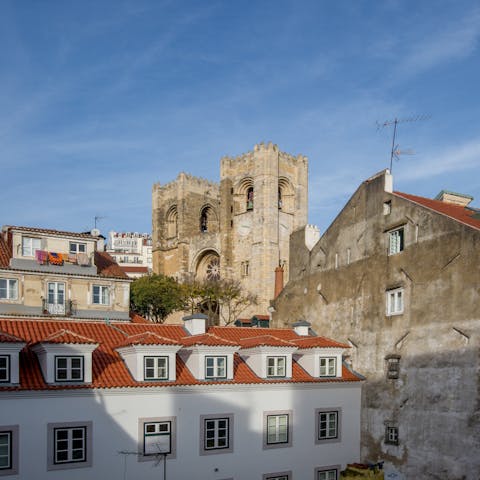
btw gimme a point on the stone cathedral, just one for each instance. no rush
(238, 228)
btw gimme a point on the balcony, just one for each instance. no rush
(66, 309)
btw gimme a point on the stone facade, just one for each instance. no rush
(237, 229)
(399, 281)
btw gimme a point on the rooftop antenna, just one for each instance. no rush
(395, 151)
(97, 218)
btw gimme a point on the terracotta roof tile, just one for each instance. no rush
(66, 336)
(49, 231)
(5, 253)
(235, 334)
(467, 216)
(127, 269)
(265, 340)
(262, 317)
(318, 342)
(8, 338)
(107, 266)
(147, 338)
(207, 339)
(109, 371)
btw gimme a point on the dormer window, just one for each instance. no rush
(69, 369)
(155, 368)
(276, 366)
(4, 368)
(215, 367)
(328, 367)
(30, 245)
(65, 356)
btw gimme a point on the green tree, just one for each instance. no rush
(156, 296)
(222, 301)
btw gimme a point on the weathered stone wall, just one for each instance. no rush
(340, 287)
(257, 234)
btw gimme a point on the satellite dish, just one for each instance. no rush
(95, 232)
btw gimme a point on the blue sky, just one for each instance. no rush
(100, 99)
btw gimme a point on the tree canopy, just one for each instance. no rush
(156, 296)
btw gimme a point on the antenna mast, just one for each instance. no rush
(395, 151)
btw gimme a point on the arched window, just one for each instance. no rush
(250, 198)
(205, 217)
(172, 222)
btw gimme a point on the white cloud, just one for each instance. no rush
(450, 42)
(455, 159)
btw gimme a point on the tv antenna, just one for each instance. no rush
(396, 151)
(97, 218)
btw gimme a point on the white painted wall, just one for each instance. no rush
(115, 413)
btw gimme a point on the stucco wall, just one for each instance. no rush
(435, 402)
(115, 416)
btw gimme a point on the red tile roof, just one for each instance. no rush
(262, 317)
(107, 266)
(127, 269)
(264, 340)
(4, 253)
(467, 216)
(109, 371)
(207, 339)
(7, 338)
(49, 231)
(147, 338)
(66, 336)
(318, 342)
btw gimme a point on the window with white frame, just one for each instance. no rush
(328, 366)
(327, 425)
(328, 474)
(276, 366)
(395, 301)
(395, 241)
(70, 445)
(76, 247)
(100, 295)
(4, 368)
(216, 433)
(69, 369)
(5, 450)
(157, 438)
(277, 426)
(156, 368)
(30, 245)
(8, 289)
(215, 367)
(276, 477)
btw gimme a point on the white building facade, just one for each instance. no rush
(132, 251)
(144, 401)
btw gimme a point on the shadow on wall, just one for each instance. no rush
(426, 422)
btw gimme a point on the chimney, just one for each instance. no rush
(196, 324)
(455, 198)
(301, 328)
(278, 281)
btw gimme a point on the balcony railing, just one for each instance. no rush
(61, 309)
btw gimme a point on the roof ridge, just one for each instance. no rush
(66, 331)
